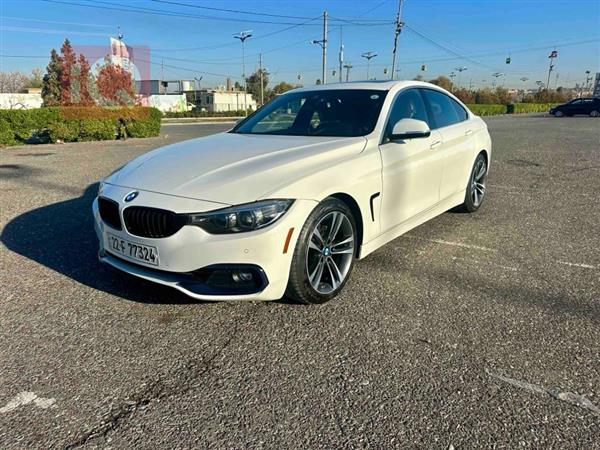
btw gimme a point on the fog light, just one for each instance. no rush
(242, 277)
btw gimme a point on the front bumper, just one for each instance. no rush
(192, 248)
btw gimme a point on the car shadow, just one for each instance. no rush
(61, 237)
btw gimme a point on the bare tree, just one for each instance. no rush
(11, 82)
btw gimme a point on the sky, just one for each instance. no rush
(187, 40)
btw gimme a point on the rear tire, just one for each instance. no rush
(595, 113)
(476, 188)
(324, 254)
(558, 113)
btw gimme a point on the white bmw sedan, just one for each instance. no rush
(285, 202)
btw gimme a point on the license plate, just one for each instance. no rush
(132, 250)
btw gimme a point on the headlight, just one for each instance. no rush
(237, 219)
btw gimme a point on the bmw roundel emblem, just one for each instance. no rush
(131, 196)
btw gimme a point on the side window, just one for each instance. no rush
(407, 105)
(460, 111)
(577, 102)
(441, 109)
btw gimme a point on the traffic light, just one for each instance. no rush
(508, 60)
(423, 67)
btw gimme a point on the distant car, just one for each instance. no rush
(589, 106)
(285, 201)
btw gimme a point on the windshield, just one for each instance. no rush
(332, 112)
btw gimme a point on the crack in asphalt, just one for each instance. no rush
(181, 382)
(555, 392)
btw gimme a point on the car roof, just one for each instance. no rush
(377, 85)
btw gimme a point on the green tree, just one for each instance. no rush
(443, 82)
(253, 84)
(51, 81)
(279, 88)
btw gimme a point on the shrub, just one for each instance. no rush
(183, 114)
(70, 124)
(144, 128)
(487, 110)
(532, 107)
(7, 136)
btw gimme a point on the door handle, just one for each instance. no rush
(436, 144)
(468, 132)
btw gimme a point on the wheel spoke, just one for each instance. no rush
(480, 172)
(315, 277)
(317, 234)
(334, 271)
(480, 187)
(343, 251)
(314, 246)
(336, 223)
(345, 241)
(475, 197)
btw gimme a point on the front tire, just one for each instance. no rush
(558, 113)
(476, 189)
(324, 254)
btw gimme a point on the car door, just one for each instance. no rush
(411, 169)
(574, 107)
(456, 130)
(588, 105)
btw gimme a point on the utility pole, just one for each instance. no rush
(260, 70)
(323, 44)
(341, 58)
(368, 56)
(452, 75)
(348, 66)
(397, 31)
(242, 36)
(553, 55)
(162, 76)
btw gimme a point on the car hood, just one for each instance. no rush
(233, 168)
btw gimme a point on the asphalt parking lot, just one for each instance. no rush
(471, 331)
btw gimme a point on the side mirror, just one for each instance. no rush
(410, 129)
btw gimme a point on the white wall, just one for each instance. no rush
(20, 101)
(170, 102)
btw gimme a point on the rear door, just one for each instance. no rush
(574, 107)
(452, 121)
(412, 168)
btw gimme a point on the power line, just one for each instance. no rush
(236, 11)
(152, 11)
(253, 13)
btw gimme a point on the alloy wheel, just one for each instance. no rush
(478, 182)
(330, 252)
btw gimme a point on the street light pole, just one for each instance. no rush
(368, 56)
(242, 37)
(348, 66)
(460, 71)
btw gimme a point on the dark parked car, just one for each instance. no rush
(589, 106)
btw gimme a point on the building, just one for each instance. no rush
(167, 95)
(222, 100)
(184, 95)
